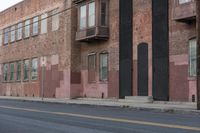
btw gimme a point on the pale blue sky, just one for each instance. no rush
(4, 4)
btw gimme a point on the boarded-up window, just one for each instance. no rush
(12, 69)
(55, 20)
(26, 69)
(35, 26)
(27, 29)
(103, 66)
(19, 31)
(12, 33)
(34, 71)
(44, 23)
(91, 68)
(1, 32)
(6, 36)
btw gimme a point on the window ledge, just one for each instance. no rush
(192, 78)
(18, 40)
(34, 35)
(92, 34)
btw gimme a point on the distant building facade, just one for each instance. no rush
(99, 49)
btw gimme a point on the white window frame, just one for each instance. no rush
(27, 28)
(19, 31)
(12, 33)
(6, 36)
(83, 17)
(35, 26)
(55, 20)
(91, 14)
(44, 23)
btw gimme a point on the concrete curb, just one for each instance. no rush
(150, 107)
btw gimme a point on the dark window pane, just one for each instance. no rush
(91, 68)
(26, 69)
(103, 14)
(11, 71)
(18, 71)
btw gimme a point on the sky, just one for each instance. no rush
(4, 4)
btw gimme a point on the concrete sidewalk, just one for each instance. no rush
(173, 107)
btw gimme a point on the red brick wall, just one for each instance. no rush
(179, 35)
(142, 30)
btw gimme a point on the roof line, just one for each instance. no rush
(11, 7)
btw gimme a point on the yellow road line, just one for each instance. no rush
(107, 119)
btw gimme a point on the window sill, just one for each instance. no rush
(18, 40)
(192, 78)
(27, 80)
(94, 82)
(27, 37)
(186, 3)
(35, 35)
(34, 80)
(11, 81)
(103, 81)
(12, 42)
(18, 81)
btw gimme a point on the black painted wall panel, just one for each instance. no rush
(143, 69)
(160, 46)
(125, 48)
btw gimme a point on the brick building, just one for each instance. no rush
(99, 48)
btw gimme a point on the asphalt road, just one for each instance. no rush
(32, 117)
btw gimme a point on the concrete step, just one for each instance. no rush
(139, 99)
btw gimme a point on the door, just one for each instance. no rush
(143, 69)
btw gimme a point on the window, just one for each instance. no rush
(26, 70)
(35, 26)
(12, 33)
(6, 36)
(27, 29)
(55, 20)
(44, 23)
(1, 37)
(103, 13)
(184, 1)
(91, 14)
(91, 68)
(19, 31)
(83, 17)
(18, 76)
(103, 67)
(34, 72)
(5, 72)
(12, 68)
(192, 57)
(87, 10)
